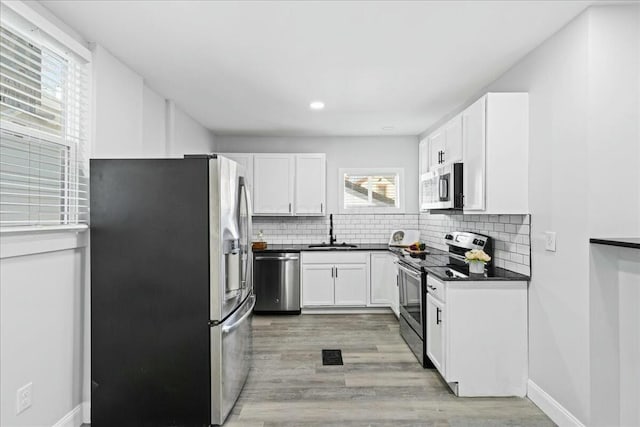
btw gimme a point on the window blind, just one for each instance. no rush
(43, 133)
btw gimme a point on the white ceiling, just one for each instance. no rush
(253, 67)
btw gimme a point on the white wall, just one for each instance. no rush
(189, 136)
(44, 289)
(130, 118)
(41, 325)
(154, 138)
(342, 152)
(117, 109)
(584, 90)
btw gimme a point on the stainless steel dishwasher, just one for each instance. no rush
(276, 284)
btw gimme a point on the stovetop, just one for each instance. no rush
(434, 258)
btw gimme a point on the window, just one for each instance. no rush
(43, 131)
(371, 190)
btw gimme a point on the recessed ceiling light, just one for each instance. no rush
(388, 128)
(316, 105)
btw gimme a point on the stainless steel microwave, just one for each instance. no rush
(441, 188)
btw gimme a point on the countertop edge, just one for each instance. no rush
(621, 242)
(381, 247)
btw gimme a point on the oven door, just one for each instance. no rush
(410, 282)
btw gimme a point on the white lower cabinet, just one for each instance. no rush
(350, 284)
(335, 279)
(383, 288)
(477, 335)
(350, 279)
(318, 284)
(435, 333)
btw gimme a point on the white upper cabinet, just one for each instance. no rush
(474, 162)
(285, 184)
(453, 141)
(491, 139)
(423, 154)
(444, 145)
(496, 154)
(273, 177)
(436, 148)
(310, 184)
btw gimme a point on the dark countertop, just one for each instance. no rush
(492, 274)
(305, 247)
(436, 262)
(623, 242)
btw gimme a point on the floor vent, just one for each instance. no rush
(332, 357)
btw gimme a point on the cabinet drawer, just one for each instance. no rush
(334, 257)
(436, 288)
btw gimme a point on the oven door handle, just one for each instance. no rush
(411, 273)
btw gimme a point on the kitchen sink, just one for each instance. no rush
(329, 246)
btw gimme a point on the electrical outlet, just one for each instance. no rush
(550, 241)
(23, 397)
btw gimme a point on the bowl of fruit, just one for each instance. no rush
(417, 249)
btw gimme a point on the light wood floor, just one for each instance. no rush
(380, 384)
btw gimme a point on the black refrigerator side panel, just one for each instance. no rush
(150, 354)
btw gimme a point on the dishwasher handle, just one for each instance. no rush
(276, 258)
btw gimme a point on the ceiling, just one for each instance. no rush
(252, 68)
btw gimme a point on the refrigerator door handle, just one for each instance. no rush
(248, 259)
(227, 329)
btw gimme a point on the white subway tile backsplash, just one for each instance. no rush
(362, 228)
(510, 233)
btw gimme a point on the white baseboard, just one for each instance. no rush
(72, 419)
(554, 410)
(86, 412)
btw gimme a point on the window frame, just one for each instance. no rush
(31, 26)
(400, 193)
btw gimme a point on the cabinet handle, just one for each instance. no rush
(443, 154)
(336, 272)
(438, 321)
(321, 208)
(332, 272)
(289, 207)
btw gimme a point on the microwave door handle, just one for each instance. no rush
(444, 190)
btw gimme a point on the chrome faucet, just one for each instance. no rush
(332, 238)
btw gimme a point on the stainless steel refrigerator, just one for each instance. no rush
(171, 290)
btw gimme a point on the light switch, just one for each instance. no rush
(550, 240)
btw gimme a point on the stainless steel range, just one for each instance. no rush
(412, 280)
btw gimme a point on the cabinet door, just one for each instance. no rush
(473, 150)
(423, 156)
(310, 184)
(246, 160)
(317, 284)
(453, 140)
(351, 284)
(273, 184)
(436, 333)
(382, 280)
(395, 289)
(436, 146)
